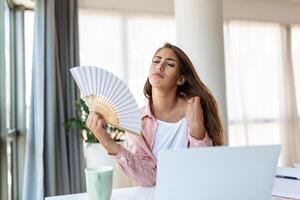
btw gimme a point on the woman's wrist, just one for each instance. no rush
(111, 146)
(198, 133)
(108, 143)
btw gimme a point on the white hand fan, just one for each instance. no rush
(106, 94)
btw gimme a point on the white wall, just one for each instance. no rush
(143, 6)
(284, 11)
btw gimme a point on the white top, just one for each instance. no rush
(170, 136)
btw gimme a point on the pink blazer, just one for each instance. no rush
(137, 161)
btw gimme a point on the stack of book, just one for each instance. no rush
(287, 183)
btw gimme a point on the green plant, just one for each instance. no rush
(78, 123)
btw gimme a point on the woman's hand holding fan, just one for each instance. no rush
(96, 124)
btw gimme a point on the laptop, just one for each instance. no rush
(217, 173)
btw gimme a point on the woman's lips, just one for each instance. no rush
(158, 74)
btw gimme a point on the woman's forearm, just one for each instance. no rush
(111, 146)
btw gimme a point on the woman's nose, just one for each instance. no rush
(161, 65)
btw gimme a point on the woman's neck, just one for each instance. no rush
(164, 104)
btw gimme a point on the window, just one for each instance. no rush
(8, 104)
(258, 97)
(16, 51)
(145, 34)
(28, 35)
(3, 156)
(253, 64)
(7, 51)
(123, 44)
(101, 41)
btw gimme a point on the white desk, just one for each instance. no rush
(132, 193)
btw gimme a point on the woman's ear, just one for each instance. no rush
(181, 80)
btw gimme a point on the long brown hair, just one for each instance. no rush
(192, 87)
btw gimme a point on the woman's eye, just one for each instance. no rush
(172, 65)
(155, 61)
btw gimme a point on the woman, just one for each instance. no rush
(181, 113)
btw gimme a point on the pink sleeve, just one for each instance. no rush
(136, 163)
(193, 142)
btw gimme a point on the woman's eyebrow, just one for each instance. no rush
(172, 59)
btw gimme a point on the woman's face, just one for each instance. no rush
(165, 70)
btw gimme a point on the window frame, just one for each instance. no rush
(12, 66)
(16, 138)
(3, 155)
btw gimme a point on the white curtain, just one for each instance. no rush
(289, 120)
(262, 106)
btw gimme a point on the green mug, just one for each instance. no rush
(99, 182)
